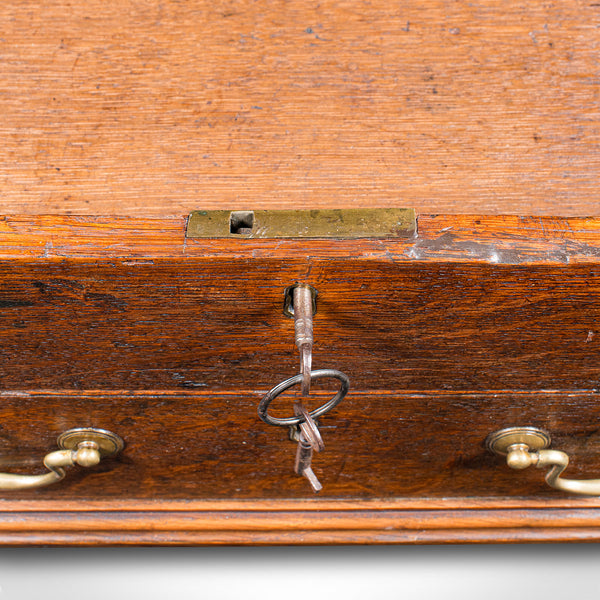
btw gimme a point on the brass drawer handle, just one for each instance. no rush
(525, 446)
(83, 446)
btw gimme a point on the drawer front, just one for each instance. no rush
(377, 445)
(217, 325)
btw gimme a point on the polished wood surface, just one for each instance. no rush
(182, 325)
(475, 324)
(140, 113)
(468, 304)
(157, 109)
(440, 238)
(377, 445)
(284, 523)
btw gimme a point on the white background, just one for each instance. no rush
(339, 573)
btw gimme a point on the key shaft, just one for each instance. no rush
(303, 327)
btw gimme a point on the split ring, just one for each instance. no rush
(263, 407)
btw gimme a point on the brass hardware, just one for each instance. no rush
(348, 223)
(500, 441)
(82, 446)
(108, 443)
(525, 446)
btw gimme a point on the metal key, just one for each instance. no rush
(303, 326)
(309, 439)
(308, 427)
(303, 463)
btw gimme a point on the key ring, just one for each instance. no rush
(288, 383)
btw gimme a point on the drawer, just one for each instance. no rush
(377, 445)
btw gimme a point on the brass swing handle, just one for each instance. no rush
(82, 446)
(526, 446)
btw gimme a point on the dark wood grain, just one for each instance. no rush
(378, 445)
(474, 325)
(471, 303)
(201, 469)
(124, 107)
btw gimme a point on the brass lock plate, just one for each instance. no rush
(350, 223)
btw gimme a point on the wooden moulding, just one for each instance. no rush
(510, 240)
(374, 522)
(474, 324)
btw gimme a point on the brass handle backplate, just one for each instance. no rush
(84, 446)
(525, 446)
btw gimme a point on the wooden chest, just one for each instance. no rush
(120, 119)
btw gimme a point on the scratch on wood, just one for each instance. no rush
(47, 249)
(136, 263)
(499, 251)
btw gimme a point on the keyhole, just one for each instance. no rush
(241, 222)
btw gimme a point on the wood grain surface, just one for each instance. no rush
(475, 324)
(468, 304)
(293, 523)
(219, 325)
(157, 109)
(208, 446)
(440, 238)
(200, 468)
